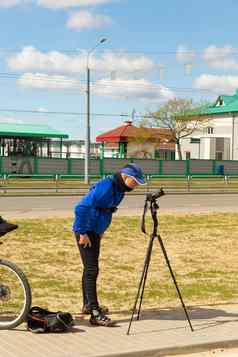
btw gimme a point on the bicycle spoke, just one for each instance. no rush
(14, 295)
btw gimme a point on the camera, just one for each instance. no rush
(155, 195)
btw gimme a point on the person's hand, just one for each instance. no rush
(85, 241)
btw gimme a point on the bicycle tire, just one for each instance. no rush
(22, 316)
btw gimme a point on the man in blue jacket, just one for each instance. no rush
(93, 215)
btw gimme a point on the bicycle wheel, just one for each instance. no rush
(15, 295)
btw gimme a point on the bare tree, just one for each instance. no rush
(142, 135)
(181, 117)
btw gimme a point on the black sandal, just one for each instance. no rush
(98, 318)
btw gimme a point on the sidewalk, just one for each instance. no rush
(160, 333)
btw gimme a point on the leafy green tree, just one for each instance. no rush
(181, 117)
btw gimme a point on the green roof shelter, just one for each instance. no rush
(27, 139)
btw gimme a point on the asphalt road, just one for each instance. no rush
(58, 206)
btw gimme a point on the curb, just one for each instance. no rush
(67, 194)
(179, 350)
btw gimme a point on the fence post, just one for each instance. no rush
(57, 177)
(101, 159)
(214, 167)
(188, 182)
(161, 167)
(69, 166)
(187, 173)
(4, 183)
(36, 166)
(1, 165)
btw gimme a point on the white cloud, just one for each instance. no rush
(217, 84)
(32, 60)
(42, 110)
(220, 57)
(9, 3)
(132, 89)
(45, 81)
(87, 20)
(117, 89)
(53, 71)
(184, 55)
(10, 120)
(56, 4)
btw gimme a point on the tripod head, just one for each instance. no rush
(152, 198)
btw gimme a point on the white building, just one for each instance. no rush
(219, 139)
(73, 149)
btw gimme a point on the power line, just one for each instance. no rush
(123, 51)
(8, 75)
(106, 83)
(153, 85)
(32, 111)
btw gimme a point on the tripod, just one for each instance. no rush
(151, 198)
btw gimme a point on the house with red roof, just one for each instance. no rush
(130, 141)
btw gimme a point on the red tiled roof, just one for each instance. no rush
(119, 134)
(127, 131)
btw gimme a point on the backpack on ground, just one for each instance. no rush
(41, 320)
(6, 226)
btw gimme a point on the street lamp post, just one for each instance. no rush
(87, 140)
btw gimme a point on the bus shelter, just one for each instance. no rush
(28, 140)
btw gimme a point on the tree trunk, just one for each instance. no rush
(179, 150)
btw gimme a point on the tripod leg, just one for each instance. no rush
(145, 275)
(174, 280)
(142, 280)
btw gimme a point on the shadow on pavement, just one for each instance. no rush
(201, 317)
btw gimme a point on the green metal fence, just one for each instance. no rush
(35, 167)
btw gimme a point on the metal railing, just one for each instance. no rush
(74, 184)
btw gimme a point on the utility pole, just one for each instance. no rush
(233, 137)
(87, 139)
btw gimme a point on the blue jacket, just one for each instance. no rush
(88, 216)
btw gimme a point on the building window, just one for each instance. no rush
(220, 102)
(188, 155)
(194, 141)
(219, 155)
(210, 130)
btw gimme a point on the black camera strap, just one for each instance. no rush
(143, 216)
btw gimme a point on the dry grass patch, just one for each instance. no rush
(203, 250)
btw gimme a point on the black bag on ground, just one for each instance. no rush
(41, 320)
(6, 227)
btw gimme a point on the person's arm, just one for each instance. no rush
(99, 196)
(103, 194)
(82, 216)
(81, 224)
(82, 219)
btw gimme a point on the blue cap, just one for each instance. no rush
(134, 171)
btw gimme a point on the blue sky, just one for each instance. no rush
(155, 50)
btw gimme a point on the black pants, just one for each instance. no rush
(90, 258)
